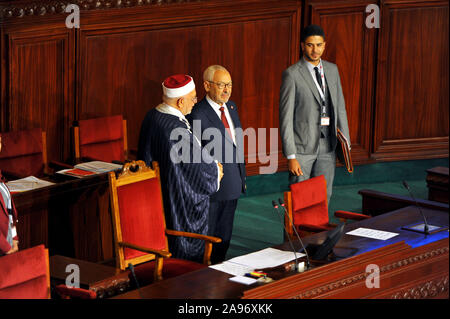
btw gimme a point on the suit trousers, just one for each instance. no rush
(220, 224)
(321, 163)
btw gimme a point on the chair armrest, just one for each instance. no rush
(211, 239)
(66, 292)
(161, 253)
(314, 228)
(350, 215)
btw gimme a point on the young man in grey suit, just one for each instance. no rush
(312, 108)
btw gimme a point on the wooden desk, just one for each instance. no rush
(71, 218)
(375, 203)
(106, 281)
(210, 283)
(437, 183)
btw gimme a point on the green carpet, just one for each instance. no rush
(257, 225)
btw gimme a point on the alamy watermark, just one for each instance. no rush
(73, 279)
(373, 19)
(73, 19)
(373, 277)
(259, 147)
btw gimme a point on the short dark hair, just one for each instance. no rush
(310, 30)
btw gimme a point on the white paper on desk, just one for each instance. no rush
(266, 258)
(232, 268)
(244, 280)
(98, 166)
(372, 233)
(26, 184)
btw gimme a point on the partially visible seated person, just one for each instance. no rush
(8, 217)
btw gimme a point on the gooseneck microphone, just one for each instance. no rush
(274, 204)
(425, 227)
(296, 233)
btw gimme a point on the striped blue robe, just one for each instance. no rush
(186, 185)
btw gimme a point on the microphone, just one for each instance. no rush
(131, 267)
(308, 263)
(274, 204)
(425, 227)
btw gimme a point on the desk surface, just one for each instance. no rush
(209, 283)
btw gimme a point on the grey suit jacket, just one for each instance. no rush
(300, 108)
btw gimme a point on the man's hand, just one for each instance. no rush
(294, 167)
(220, 170)
(15, 247)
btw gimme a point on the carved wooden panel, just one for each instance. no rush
(38, 86)
(20, 9)
(351, 45)
(411, 118)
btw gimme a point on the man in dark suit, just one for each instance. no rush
(312, 108)
(216, 116)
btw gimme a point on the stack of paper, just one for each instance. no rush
(372, 233)
(98, 166)
(90, 168)
(266, 258)
(26, 184)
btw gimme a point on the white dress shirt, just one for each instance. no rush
(216, 107)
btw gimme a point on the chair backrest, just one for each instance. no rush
(25, 274)
(138, 213)
(24, 153)
(309, 201)
(103, 138)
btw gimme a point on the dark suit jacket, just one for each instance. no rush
(203, 117)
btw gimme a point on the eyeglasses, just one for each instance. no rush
(222, 85)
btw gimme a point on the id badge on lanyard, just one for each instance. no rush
(324, 120)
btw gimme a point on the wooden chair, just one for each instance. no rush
(101, 139)
(24, 153)
(139, 226)
(307, 206)
(25, 274)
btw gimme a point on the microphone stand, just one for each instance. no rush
(308, 263)
(425, 227)
(131, 267)
(274, 204)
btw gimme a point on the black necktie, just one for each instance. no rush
(318, 77)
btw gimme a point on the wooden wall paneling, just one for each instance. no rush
(412, 119)
(121, 68)
(37, 87)
(352, 46)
